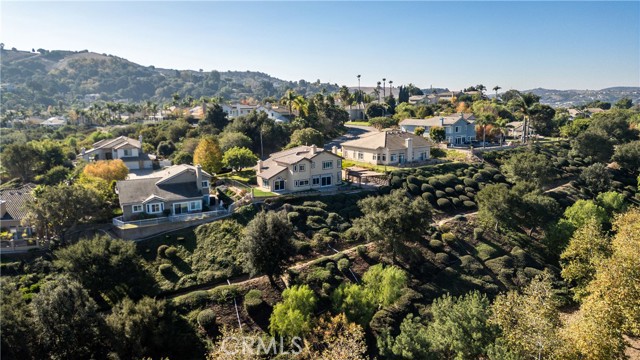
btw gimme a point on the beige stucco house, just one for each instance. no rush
(13, 211)
(300, 168)
(176, 190)
(389, 147)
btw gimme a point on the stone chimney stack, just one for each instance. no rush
(408, 143)
(334, 149)
(259, 167)
(199, 176)
(314, 149)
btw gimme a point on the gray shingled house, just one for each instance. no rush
(176, 190)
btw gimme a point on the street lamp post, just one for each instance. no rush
(390, 87)
(384, 88)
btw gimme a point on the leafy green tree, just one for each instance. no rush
(413, 341)
(209, 155)
(615, 125)
(583, 211)
(267, 244)
(385, 284)
(495, 204)
(67, 323)
(216, 117)
(587, 247)
(529, 321)
(292, 316)
(628, 156)
(624, 103)
(355, 302)
(382, 122)
(537, 210)
(55, 209)
(460, 328)
(393, 219)
(149, 328)
(611, 201)
(289, 99)
(597, 145)
(528, 167)
(238, 158)
(375, 110)
(542, 119)
(596, 178)
(18, 340)
(165, 148)
(20, 161)
(105, 267)
(437, 134)
(234, 139)
(307, 136)
(182, 158)
(575, 127)
(55, 175)
(419, 131)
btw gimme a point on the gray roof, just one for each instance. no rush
(439, 120)
(118, 142)
(138, 190)
(15, 200)
(392, 140)
(277, 162)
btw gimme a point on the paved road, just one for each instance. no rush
(353, 132)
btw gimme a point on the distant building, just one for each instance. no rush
(12, 209)
(55, 121)
(459, 128)
(126, 149)
(276, 113)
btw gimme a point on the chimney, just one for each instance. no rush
(83, 151)
(441, 121)
(259, 167)
(314, 149)
(199, 176)
(334, 149)
(140, 140)
(408, 143)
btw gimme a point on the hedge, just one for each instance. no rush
(444, 203)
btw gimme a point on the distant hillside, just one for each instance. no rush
(567, 98)
(47, 77)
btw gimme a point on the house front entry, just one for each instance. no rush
(278, 185)
(326, 180)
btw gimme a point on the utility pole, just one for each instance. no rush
(359, 92)
(261, 148)
(384, 88)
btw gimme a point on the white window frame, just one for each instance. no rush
(393, 157)
(457, 129)
(327, 164)
(265, 183)
(375, 156)
(150, 208)
(301, 183)
(205, 184)
(126, 152)
(315, 180)
(175, 205)
(295, 168)
(301, 168)
(384, 157)
(195, 205)
(360, 155)
(313, 164)
(137, 206)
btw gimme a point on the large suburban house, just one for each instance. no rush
(299, 168)
(459, 128)
(176, 190)
(514, 129)
(235, 110)
(276, 113)
(12, 209)
(389, 147)
(126, 149)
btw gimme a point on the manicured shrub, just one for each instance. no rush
(500, 264)
(449, 180)
(171, 252)
(444, 203)
(193, 300)
(469, 204)
(459, 189)
(318, 275)
(435, 244)
(427, 188)
(436, 183)
(478, 177)
(448, 237)
(293, 217)
(464, 198)
(165, 269)
(395, 182)
(224, 293)
(343, 264)
(440, 194)
(413, 180)
(161, 250)
(456, 202)
(414, 189)
(362, 250)
(206, 319)
(429, 197)
(499, 178)
(469, 190)
(442, 258)
(253, 300)
(450, 191)
(485, 251)
(302, 247)
(470, 183)
(478, 233)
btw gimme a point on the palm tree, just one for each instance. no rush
(288, 100)
(484, 120)
(481, 88)
(500, 127)
(301, 105)
(344, 95)
(377, 91)
(496, 88)
(390, 87)
(384, 87)
(526, 108)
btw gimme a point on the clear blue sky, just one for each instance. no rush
(522, 45)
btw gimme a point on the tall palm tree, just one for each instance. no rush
(496, 88)
(526, 109)
(300, 104)
(390, 87)
(377, 90)
(384, 87)
(344, 94)
(288, 99)
(500, 127)
(484, 120)
(481, 88)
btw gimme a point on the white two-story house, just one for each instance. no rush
(459, 128)
(126, 149)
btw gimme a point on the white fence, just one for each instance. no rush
(118, 222)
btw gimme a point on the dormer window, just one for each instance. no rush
(205, 184)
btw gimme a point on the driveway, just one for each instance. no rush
(353, 132)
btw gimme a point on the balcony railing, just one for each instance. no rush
(171, 218)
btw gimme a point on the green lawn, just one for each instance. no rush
(243, 176)
(261, 193)
(378, 168)
(358, 123)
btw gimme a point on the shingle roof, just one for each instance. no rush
(439, 120)
(277, 162)
(142, 187)
(14, 201)
(115, 143)
(393, 140)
